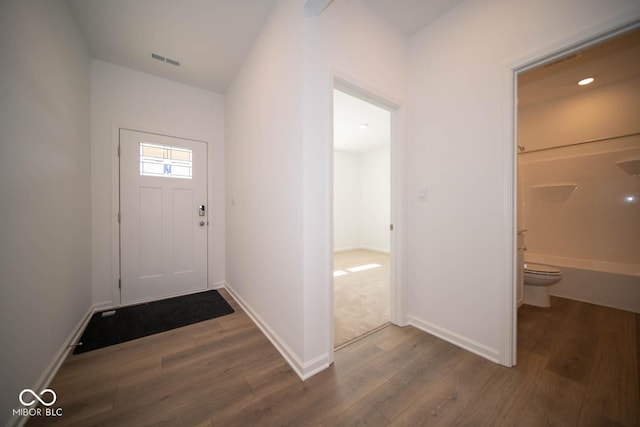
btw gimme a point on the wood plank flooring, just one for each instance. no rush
(577, 366)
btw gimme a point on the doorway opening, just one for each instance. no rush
(362, 216)
(575, 133)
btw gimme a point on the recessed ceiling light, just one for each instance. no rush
(364, 125)
(586, 81)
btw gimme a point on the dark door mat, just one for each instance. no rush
(137, 321)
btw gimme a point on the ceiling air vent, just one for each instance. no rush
(166, 60)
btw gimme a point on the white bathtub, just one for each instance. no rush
(598, 282)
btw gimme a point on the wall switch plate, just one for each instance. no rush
(422, 194)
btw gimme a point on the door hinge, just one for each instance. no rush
(118, 151)
(118, 217)
(391, 227)
(119, 283)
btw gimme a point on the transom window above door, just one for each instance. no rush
(165, 161)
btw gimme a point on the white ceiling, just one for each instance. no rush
(349, 113)
(210, 38)
(409, 16)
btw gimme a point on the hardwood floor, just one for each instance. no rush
(577, 366)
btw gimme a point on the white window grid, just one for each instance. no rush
(165, 161)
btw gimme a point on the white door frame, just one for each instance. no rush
(398, 299)
(577, 42)
(115, 201)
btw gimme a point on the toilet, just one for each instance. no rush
(537, 279)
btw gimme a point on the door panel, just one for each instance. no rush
(183, 205)
(163, 237)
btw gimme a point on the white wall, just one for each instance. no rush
(347, 200)
(263, 122)
(45, 234)
(350, 40)
(361, 200)
(459, 263)
(598, 112)
(125, 97)
(575, 202)
(278, 135)
(376, 197)
(593, 220)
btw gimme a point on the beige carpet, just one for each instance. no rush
(361, 299)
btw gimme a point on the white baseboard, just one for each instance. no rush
(101, 306)
(355, 248)
(303, 369)
(52, 368)
(217, 285)
(371, 248)
(470, 345)
(314, 366)
(346, 248)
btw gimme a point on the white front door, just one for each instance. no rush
(163, 216)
